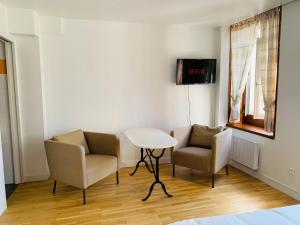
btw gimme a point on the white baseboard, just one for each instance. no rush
(39, 177)
(268, 180)
(131, 163)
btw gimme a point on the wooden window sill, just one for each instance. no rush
(251, 129)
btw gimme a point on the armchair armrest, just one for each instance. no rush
(100, 143)
(221, 149)
(66, 163)
(182, 136)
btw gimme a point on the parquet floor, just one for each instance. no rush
(111, 204)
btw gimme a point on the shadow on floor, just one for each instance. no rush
(10, 188)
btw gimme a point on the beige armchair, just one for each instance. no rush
(210, 161)
(80, 159)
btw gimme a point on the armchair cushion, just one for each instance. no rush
(194, 158)
(75, 137)
(99, 166)
(201, 136)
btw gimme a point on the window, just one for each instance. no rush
(253, 73)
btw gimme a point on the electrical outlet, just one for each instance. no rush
(292, 172)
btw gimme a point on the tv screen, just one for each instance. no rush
(195, 71)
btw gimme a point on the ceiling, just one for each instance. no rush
(210, 12)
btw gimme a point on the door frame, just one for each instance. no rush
(13, 109)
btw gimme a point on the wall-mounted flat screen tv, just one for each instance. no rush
(196, 71)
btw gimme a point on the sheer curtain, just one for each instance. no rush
(243, 40)
(266, 62)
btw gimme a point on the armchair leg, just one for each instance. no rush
(173, 170)
(117, 177)
(212, 180)
(227, 170)
(54, 187)
(84, 196)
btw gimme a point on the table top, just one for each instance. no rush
(150, 138)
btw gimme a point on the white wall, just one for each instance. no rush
(22, 21)
(3, 19)
(222, 82)
(108, 77)
(29, 80)
(191, 42)
(20, 27)
(277, 156)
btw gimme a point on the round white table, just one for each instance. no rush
(150, 139)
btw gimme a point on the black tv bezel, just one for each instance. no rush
(214, 76)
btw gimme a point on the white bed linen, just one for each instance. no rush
(289, 215)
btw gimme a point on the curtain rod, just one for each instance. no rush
(254, 18)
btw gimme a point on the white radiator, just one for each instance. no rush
(245, 152)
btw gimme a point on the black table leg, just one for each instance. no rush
(142, 160)
(156, 173)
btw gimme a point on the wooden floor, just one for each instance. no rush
(109, 204)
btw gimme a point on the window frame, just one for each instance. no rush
(248, 123)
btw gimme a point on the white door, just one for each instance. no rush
(3, 204)
(5, 125)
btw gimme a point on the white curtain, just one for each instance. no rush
(266, 62)
(243, 40)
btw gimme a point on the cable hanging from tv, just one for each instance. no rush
(187, 99)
